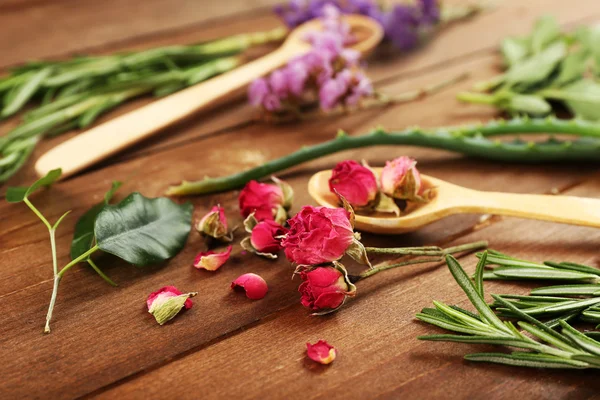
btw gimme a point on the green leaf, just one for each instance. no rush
(18, 194)
(537, 67)
(465, 283)
(586, 343)
(567, 290)
(583, 99)
(563, 307)
(528, 104)
(540, 273)
(143, 231)
(499, 259)
(530, 360)
(514, 50)
(546, 31)
(25, 92)
(83, 237)
(592, 360)
(446, 323)
(586, 269)
(479, 273)
(497, 340)
(572, 67)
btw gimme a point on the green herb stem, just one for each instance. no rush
(437, 254)
(79, 259)
(99, 272)
(468, 140)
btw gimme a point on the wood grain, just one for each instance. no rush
(104, 344)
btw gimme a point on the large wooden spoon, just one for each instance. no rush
(451, 199)
(117, 134)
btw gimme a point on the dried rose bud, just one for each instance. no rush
(265, 237)
(355, 182)
(214, 224)
(321, 352)
(324, 289)
(266, 201)
(255, 287)
(400, 179)
(167, 302)
(320, 235)
(210, 260)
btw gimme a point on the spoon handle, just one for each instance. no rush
(104, 140)
(563, 209)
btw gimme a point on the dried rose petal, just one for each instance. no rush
(255, 287)
(210, 260)
(167, 302)
(321, 352)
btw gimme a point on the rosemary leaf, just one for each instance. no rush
(532, 360)
(542, 273)
(568, 290)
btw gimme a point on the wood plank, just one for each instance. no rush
(375, 333)
(89, 309)
(437, 55)
(68, 26)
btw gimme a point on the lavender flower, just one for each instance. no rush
(329, 71)
(404, 24)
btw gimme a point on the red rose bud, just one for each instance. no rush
(319, 235)
(255, 287)
(355, 182)
(324, 289)
(210, 260)
(267, 202)
(400, 179)
(167, 302)
(321, 352)
(265, 237)
(214, 224)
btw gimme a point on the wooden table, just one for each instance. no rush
(105, 345)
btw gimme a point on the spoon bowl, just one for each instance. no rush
(450, 199)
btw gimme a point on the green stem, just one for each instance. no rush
(57, 278)
(38, 213)
(79, 259)
(468, 140)
(438, 252)
(102, 274)
(369, 272)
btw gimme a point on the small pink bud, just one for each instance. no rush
(355, 182)
(266, 201)
(210, 260)
(321, 352)
(254, 286)
(214, 224)
(167, 302)
(400, 179)
(324, 289)
(265, 237)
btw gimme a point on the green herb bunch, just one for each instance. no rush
(546, 71)
(138, 230)
(540, 344)
(72, 94)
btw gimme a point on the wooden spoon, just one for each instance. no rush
(117, 134)
(451, 199)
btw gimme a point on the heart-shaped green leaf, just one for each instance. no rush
(18, 194)
(83, 238)
(143, 231)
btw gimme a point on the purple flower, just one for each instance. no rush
(362, 87)
(279, 83)
(257, 91)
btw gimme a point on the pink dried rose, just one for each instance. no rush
(355, 182)
(255, 287)
(324, 289)
(321, 352)
(265, 237)
(266, 201)
(319, 235)
(400, 179)
(212, 261)
(167, 302)
(214, 224)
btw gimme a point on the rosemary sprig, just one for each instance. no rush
(568, 348)
(470, 140)
(73, 94)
